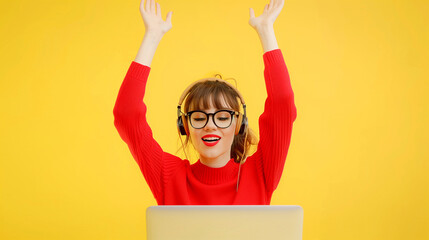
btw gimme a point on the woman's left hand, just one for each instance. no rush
(267, 18)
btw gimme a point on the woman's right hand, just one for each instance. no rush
(152, 19)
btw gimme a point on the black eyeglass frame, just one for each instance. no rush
(232, 112)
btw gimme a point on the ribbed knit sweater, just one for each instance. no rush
(174, 181)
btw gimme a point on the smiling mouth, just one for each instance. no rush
(210, 139)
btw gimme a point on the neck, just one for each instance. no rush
(218, 162)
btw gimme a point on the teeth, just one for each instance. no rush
(211, 139)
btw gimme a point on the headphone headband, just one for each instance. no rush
(185, 93)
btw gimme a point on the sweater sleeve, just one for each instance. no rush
(275, 123)
(130, 121)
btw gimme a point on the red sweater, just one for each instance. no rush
(174, 181)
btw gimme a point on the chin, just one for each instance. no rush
(210, 156)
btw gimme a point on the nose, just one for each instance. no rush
(210, 124)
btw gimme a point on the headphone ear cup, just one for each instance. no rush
(239, 123)
(181, 126)
(243, 126)
(185, 124)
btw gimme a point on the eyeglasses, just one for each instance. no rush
(221, 118)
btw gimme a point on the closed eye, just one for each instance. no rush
(199, 119)
(223, 119)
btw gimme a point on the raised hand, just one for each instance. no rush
(267, 18)
(155, 30)
(152, 17)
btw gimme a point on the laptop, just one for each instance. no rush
(237, 222)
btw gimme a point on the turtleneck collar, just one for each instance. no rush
(208, 175)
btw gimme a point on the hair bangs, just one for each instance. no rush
(211, 94)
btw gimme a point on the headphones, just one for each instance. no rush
(182, 123)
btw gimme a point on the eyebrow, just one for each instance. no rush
(216, 109)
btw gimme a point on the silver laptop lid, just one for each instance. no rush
(225, 222)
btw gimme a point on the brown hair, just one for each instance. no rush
(202, 94)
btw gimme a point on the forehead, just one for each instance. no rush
(210, 102)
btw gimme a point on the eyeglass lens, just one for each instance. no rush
(221, 119)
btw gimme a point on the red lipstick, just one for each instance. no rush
(210, 139)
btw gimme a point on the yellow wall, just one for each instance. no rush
(358, 160)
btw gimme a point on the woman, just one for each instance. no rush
(222, 175)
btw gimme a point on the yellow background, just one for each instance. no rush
(358, 160)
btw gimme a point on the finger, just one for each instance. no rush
(278, 4)
(169, 17)
(270, 6)
(281, 3)
(158, 10)
(147, 5)
(142, 11)
(278, 8)
(142, 5)
(152, 6)
(266, 8)
(275, 3)
(252, 13)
